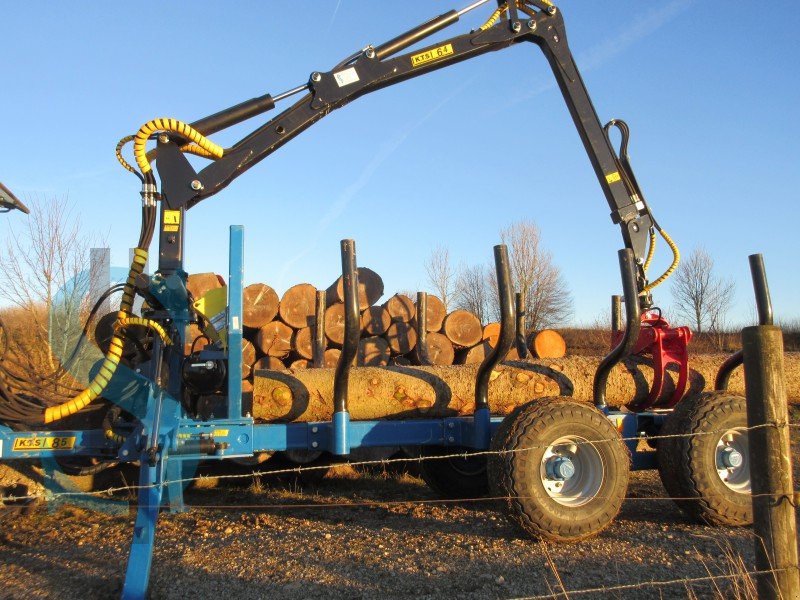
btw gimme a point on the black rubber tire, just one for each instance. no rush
(687, 464)
(515, 475)
(454, 478)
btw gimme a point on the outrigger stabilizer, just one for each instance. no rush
(159, 432)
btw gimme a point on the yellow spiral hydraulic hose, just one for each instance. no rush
(501, 9)
(676, 259)
(114, 437)
(109, 366)
(122, 161)
(172, 126)
(651, 251)
(493, 19)
(140, 322)
(198, 151)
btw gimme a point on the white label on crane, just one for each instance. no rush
(346, 77)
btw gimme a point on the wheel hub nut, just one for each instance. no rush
(560, 468)
(731, 458)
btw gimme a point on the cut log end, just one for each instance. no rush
(375, 320)
(402, 337)
(275, 339)
(370, 289)
(463, 328)
(199, 284)
(440, 349)
(401, 308)
(436, 314)
(298, 305)
(260, 303)
(548, 344)
(373, 352)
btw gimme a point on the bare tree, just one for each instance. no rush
(472, 291)
(440, 274)
(700, 296)
(548, 301)
(44, 277)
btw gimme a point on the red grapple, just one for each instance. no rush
(666, 345)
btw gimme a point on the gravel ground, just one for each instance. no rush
(355, 535)
(291, 542)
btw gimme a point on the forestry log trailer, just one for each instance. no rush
(561, 465)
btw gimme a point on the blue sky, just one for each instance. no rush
(709, 88)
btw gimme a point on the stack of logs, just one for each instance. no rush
(279, 332)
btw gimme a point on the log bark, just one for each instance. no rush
(401, 337)
(436, 313)
(370, 289)
(397, 392)
(199, 284)
(334, 324)
(548, 344)
(375, 320)
(275, 339)
(373, 352)
(401, 308)
(260, 303)
(298, 305)
(303, 343)
(463, 328)
(440, 349)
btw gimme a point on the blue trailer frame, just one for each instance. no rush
(179, 438)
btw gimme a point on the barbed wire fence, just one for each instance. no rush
(12, 502)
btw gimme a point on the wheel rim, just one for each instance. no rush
(732, 458)
(572, 471)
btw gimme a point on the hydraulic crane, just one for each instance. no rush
(577, 478)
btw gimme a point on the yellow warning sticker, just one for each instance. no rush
(221, 433)
(34, 444)
(172, 217)
(431, 55)
(613, 177)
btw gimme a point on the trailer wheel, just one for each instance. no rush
(456, 477)
(706, 467)
(312, 466)
(561, 469)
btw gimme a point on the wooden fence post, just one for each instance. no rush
(770, 453)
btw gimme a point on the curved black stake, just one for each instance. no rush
(507, 328)
(522, 334)
(764, 307)
(351, 326)
(763, 301)
(423, 357)
(319, 330)
(627, 267)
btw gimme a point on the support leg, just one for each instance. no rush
(140, 558)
